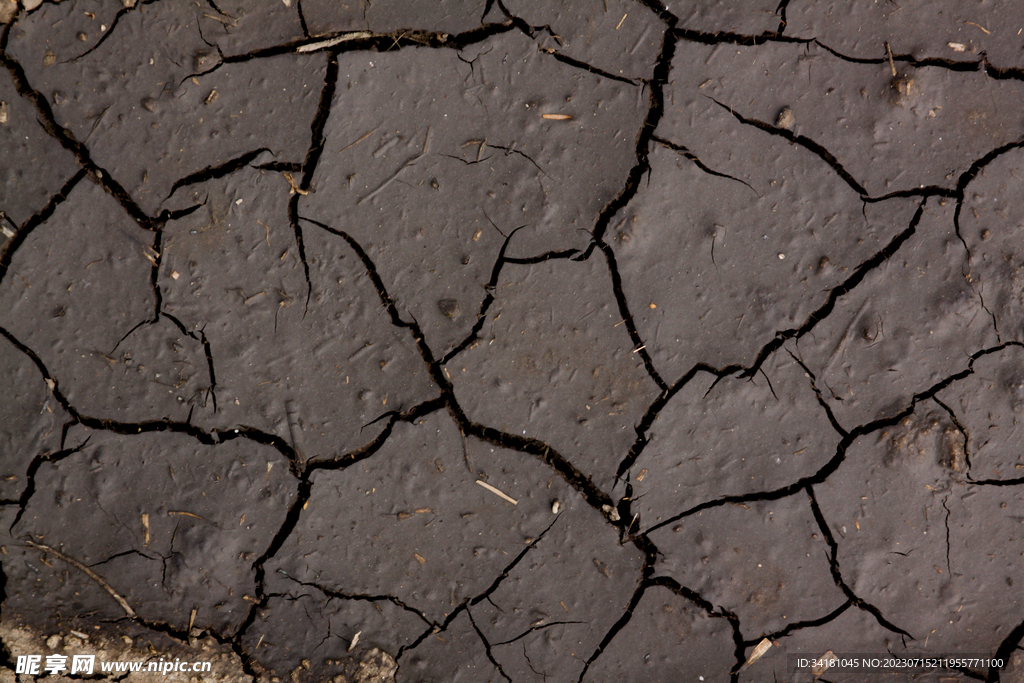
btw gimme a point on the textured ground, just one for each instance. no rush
(728, 297)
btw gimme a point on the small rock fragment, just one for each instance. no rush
(556, 507)
(49, 58)
(3, 113)
(785, 119)
(148, 103)
(610, 512)
(83, 37)
(212, 97)
(30, 5)
(59, 98)
(957, 47)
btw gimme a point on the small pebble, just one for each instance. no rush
(556, 507)
(785, 119)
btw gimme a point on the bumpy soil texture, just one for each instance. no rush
(498, 340)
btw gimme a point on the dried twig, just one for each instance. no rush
(88, 572)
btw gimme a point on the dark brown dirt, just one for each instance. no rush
(511, 341)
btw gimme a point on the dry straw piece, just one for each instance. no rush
(497, 492)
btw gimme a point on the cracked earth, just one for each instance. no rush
(510, 341)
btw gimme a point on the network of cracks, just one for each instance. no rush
(596, 342)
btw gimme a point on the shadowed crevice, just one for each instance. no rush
(8, 250)
(49, 123)
(316, 148)
(215, 171)
(837, 576)
(690, 156)
(477, 599)
(33, 469)
(800, 625)
(848, 438)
